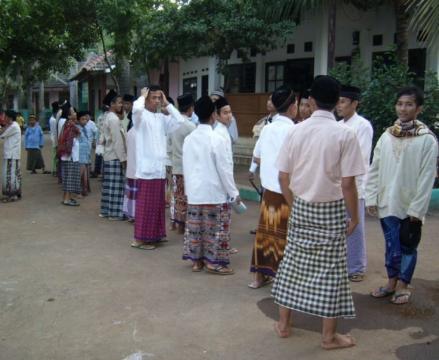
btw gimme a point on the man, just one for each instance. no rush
(399, 190)
(232, 128)
(128, 101)
(271, 235)
(152, 128)
(312, 276)
(115, 157)
(356, 242)
(210, 188)
(305, 110)
(11, 174)
(179, 203)
(99, 144)
(56, 113)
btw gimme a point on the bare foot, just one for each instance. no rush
(339, 341)
(282, 333)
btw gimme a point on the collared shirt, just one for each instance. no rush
(92, 131)
(84, 145)
(33, 137)
(12, 144)
(114, 139)
(233, 130)
(131, 154)
(364, 131)
(267, 149)
(151, 131)
(223, 131)
(177, 138)
(53, 131)
(208, 173)
(318, 153)
(60, 126)
(402, 175)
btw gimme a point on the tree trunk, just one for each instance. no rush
(164, 77)
(402, 23)
(125, 76)
(29, 102)
(332, 15)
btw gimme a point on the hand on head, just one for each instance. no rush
(144, 92)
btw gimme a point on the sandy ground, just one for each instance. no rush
(72, 288)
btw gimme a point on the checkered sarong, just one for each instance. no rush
(71, 178)
(312, 276)
(112, 189)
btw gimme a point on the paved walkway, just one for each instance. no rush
(72, 288)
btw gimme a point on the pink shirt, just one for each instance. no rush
(318, 153)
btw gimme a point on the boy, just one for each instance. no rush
(398, 190)
(85, 143)
(33, 142)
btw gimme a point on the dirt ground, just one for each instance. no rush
(72, 288)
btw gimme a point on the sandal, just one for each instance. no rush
(381, 292)
(401, 294)
(143, 246)
(255, 285)
(358, 277)
(70, 203)
(233, 251)
(220, 270)
(197, 267)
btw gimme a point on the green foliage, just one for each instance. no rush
(379, 91)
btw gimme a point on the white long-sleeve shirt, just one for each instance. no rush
(267, 149)
(208, 173)
(53, 131)
(151, 146)
(233, 130)
(131, 154)
(364, 131)
(402, 175)
(12, 144)
(223, 131)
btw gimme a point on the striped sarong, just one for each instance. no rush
(11, 178)
(207, 234)
(271, 236)
(312, 276)
(129, 199)
(71, 177)
(112, 189)
(150, 223)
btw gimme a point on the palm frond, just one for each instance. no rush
(424, 17)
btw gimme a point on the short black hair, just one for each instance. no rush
(323, 106)
(282, 98)
(185, 108)
(414, 91)
(154, 88)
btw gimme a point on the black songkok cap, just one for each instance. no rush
(55, 106)
(220, 103)
(109, 98)
(81, 114)
(185, 101)
(204, 108)
(351, 92)
(129, 98)
(282, 98)
(325, 89)
(304, 94)
(11, 114)
(170, 100)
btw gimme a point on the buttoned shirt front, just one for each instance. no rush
(114, 139)
(267, 149)
(151, 144)
(12, 142)
(208, 173)
(318, 153)
(364, 131)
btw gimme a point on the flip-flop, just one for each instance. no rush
(356, 277)
(218, 270)
(382, 293)
(400, 294)
(265, 282)
(143, 246)
(70, 203)
(233, 251)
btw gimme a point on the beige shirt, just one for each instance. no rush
(177, 138)
(114, 139)
(318, 153)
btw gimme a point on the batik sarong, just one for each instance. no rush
(129, 199)
(35, 160)
(150, 223)
(356, 245)
(112, 189)
(85, 178)
(312, 276)
(11, 178)
(179, 203)
(207, 234)
(71, 177)
(271, 236)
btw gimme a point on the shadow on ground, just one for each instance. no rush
(377, 314)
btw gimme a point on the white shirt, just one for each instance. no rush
(364, 131)
(208, 173)
(151, 146)
(131, 154)
(233, 130)
(267, 149)
(74, 156)
(53, 131)
(177, 139)
(12, 144)
(61, 123)
(402, 175)
(223, 131)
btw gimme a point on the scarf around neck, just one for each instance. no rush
(65, 143)
(408, 129)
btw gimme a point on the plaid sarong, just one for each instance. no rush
(207, 234)
(71, 177)
(11, 178)
(112, 189)
(312, 276)
(129, 199)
